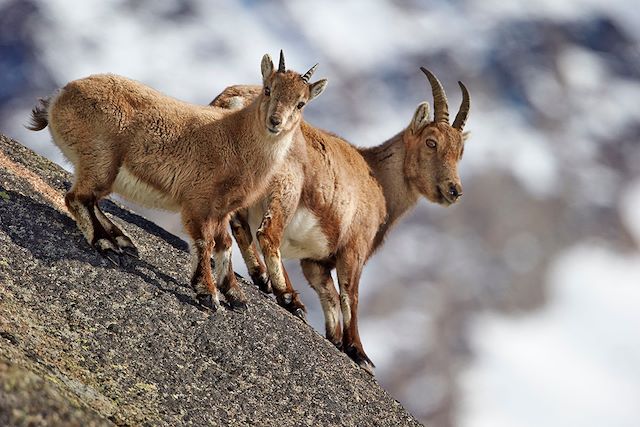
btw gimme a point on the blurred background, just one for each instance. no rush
(519, 306)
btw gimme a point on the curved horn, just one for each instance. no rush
(461, 117)
(309, 73)
(281, 68)
(440, 106)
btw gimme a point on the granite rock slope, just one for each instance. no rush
(85, 342)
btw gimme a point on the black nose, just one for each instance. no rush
(455, 190)
(275, 121)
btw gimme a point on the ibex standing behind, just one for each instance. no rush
(127, 138)
(332, 204)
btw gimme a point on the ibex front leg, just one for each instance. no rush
(244, 239)
(270, 236)
(223, 272)
(201, 229)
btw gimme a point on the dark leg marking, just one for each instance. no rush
(244, 239)
(121, 240)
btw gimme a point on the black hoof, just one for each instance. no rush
(208, 301)
(368, 367)
(131, 252)
(338, 343)
(237, 305)
(299, 313)
(109, 250)
(261, 280)
(293, 305)
(361, 359)
(110, 255)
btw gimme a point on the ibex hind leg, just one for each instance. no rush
(349, 268)
(96, 170)
(123, 241)
(318, 274)
(82, 207)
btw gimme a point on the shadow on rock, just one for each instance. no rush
(50, 236)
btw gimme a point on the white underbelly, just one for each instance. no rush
(303, 237)
(126, 184)
(133, 189)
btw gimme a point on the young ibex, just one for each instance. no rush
(331, 205)
(127, 138)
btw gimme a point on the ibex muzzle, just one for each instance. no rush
(285, 93)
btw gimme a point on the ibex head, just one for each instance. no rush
(284, 95)
(434, 148)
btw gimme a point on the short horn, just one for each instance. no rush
(309, 73)
(461, 117)
(440, 106)
(281, 68)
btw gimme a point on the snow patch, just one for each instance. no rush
(573, 363)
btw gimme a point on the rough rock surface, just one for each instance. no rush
(83, 342)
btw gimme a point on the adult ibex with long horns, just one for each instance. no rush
(205, 163)
(332, 204)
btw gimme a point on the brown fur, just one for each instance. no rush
(125, 137)
(356, 195)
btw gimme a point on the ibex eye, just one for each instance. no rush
(267, 91)
(300, 105)
(430, 143)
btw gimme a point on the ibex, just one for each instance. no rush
(205, 163)
(332, 204)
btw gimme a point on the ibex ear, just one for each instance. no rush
(266, 66)
(465, 136)
(420, 118)
(317, 88)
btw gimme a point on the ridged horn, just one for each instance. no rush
(309, 73)
(440, 106)
(281, 68)
(461, 117)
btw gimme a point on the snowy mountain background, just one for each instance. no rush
(518, 306)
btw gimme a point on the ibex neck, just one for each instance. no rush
(387, 163)
(249, 123)
(265, 147)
